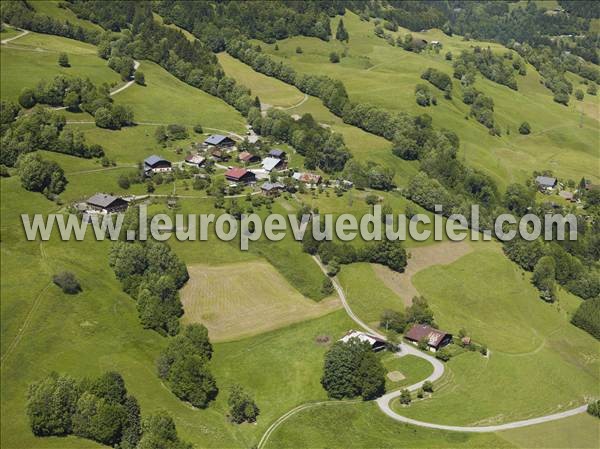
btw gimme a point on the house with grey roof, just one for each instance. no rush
(106, 204)
(272, 163)
(156, 164)
(545, 183)
(218, 140)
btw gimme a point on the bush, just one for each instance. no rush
(27, 98)
(443, 354)
(67, 281)
(198, 128)
(405, 397)
(39, 175)
(139, 78)
(592, 89)
(593, 408)
(124, 182)
(428, 386)
(579, 94)
(449, 56)
(524, 128)
(242, 407)
(63, 60)
(334, 57)
(299, 50)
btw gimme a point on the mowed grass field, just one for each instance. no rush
(233, 300)
(539, 362)
(414, 369)
(562, 139)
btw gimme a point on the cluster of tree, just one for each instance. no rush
(214, 21)
(40, 130)
(97, 409)
(164, 134)
(40, 175)
(423, 95)
(412, 15)
(152, 274)
(320, 147)
(439, 79)
(482, 108)
(370, 175)
(123, 65)
(242, 407)
(398, 321)
(390, 253)
(79, 94)
(587, 317)
(341, 34)
(67, 282)
(352, 369)
(22, 15)
(500, 69)
(184, 366)
(551, 263)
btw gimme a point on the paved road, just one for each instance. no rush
(6, 41)
(384, 401)
(136, 64)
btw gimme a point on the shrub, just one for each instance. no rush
(27, 98)
(334, 57)
(593, 408)
(299, 50)
(63, 60)
(124, 182)
(198, 128)
(587, 317)
(449, 56)
(579, 94)
(524, 128)
(242, 407)
(405, 397)
(592, 89)
(67, 281)
(428, 386)
(139, 78)
(443, 354)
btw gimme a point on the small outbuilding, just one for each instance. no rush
(241, 175)
(195, 160)
(377, 344)
(218, 140)
(307, 178)
(277, 153)
(106, 204)
(435, 338)
(272, 188)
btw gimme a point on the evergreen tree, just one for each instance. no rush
(341, 34)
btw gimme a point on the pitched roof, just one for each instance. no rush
(269, 163)
(268, 186)
(275, 152)
(419, 331)
(195, 159)
(546, 181)
(236, 173)
(307, 177)
(246, 156)
(102, 200)
(216, 139)
(153, 160)
(362, 336)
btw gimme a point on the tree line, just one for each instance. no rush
(98, 409)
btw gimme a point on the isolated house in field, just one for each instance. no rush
(156, 164)
(545, 183)
(307, 178)
(273, 163)
(247, 157)
(376, 343)
(276, 153)
(106, 204)
(435, 338)
(218, 140)
(272, 188)
(241, 175)
(195, 160)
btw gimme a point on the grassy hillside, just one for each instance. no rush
(34, 57)
(562, 139)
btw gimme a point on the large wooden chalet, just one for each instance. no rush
(434, 338)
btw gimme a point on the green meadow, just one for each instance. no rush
(562, 140)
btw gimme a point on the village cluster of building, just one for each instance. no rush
(550, 185)
(435, 339)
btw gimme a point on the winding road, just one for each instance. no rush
(7, 40)
(384, 401)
